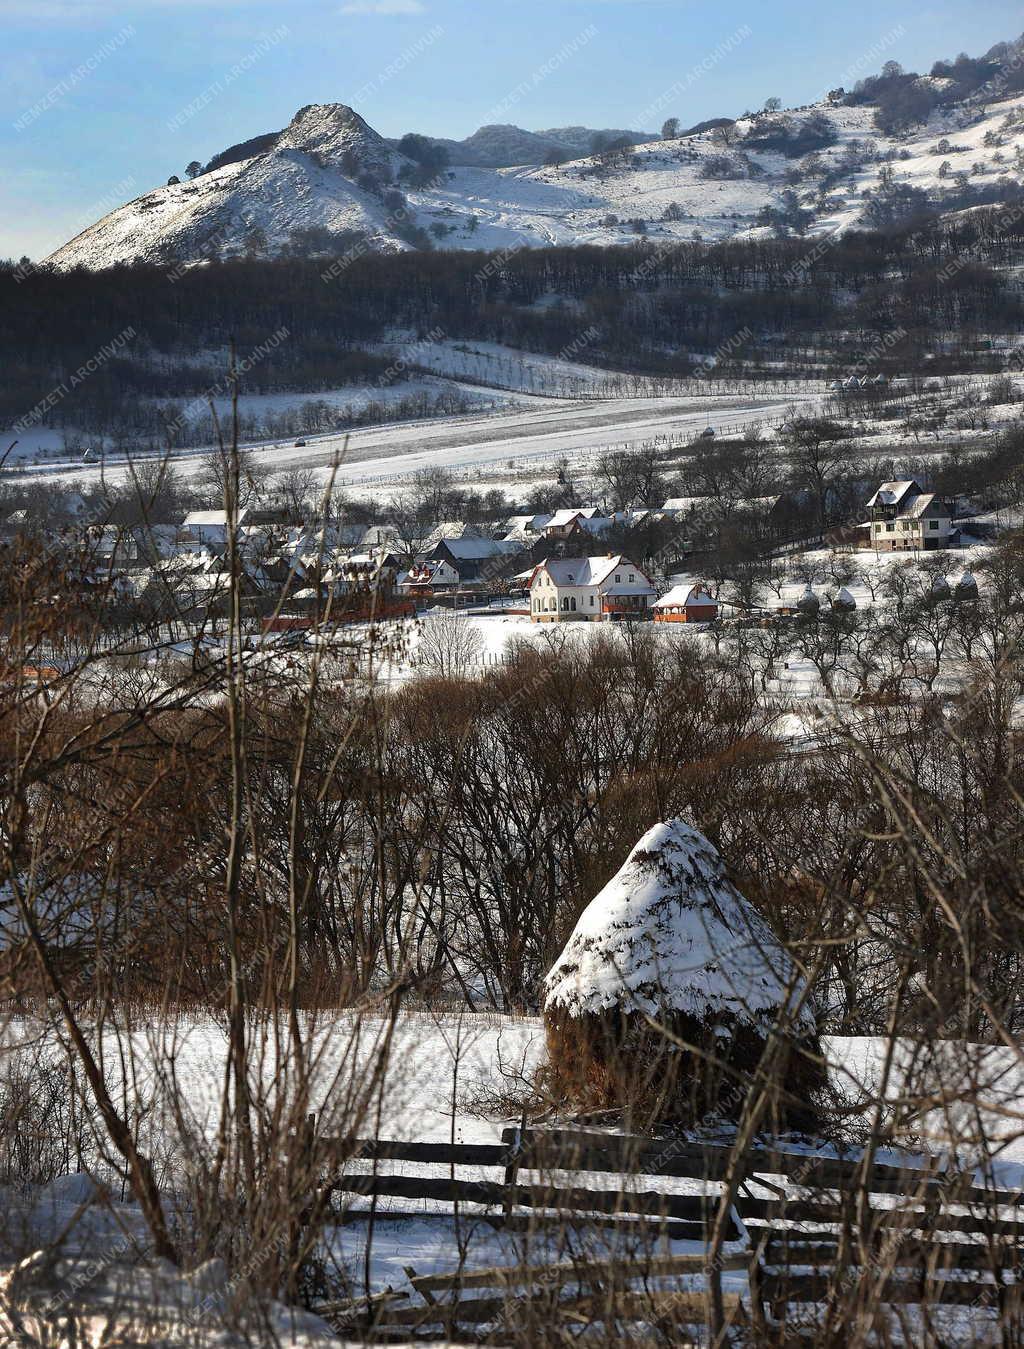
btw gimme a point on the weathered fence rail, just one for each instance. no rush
(917, 1233)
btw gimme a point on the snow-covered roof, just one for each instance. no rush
(892, 493)
(564, 517)
(472, 550)
(677, 595)
(670, 932)
(682, 503)
(682, 595)
(920, 505)
(209, 519)
(594, 571)
(527, 524)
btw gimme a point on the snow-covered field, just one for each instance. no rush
(375, 456)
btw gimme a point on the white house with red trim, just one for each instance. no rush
(591, 589)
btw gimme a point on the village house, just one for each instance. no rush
(206, 531)
(463, 564)
(903, 518)
(424, 580)
(475, 559)
(577, 523)
(686, 604)
(591, 589)
(526, 529)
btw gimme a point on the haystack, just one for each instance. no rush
(671, 941)
(808, 603)
(844, 601)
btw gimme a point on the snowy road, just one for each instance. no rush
(388, 453)
(537, 434)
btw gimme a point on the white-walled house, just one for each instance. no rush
(206, 531)
(425, 579)
(591, 589)
(904, 518)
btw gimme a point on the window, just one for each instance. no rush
(888, 528)
(933, 524)
(573, 603)
(618, 578)
(591, 601)
(632, 577)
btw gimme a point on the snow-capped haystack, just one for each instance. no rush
(941, 589)
(844, 600)
(967, 587)
(808, 603)
(670, 940)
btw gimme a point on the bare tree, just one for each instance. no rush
(818, 449)
(449, 643)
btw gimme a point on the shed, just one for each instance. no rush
(686, 604)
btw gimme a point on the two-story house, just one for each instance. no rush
(904, 518)
(591, 589)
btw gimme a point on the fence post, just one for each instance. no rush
(512, 1169)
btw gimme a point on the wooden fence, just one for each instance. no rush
(799, 1227)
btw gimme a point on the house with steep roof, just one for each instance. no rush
(475, 560)
(426, 579)
(576, 522)
(589, 589)
(527, 528)
(904, 518)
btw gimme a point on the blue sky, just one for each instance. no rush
(100, 100)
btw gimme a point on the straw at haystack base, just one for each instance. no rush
(671, 945)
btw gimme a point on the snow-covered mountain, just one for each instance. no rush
(323, 173)
(329, 181)
(503, 147)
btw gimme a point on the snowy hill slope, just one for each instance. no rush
(329, 171)
(314, 178)
(500, 146)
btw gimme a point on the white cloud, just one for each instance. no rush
(383, 7)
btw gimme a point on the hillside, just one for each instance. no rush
(329, 182)
(505, 146)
